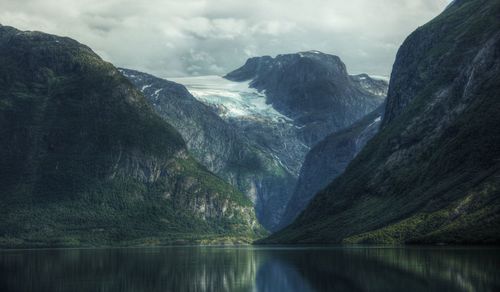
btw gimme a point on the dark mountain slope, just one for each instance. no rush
(86, 161)
(328, 159)
(219, 146)
(314, 89)
(432, 173)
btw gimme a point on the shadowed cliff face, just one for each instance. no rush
(314, 90)
(431, 173)
(328, 159)
(86, 161)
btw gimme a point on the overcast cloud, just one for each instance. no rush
(198, 37)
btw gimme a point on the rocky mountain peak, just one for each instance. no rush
(307, 63)
(313, 89)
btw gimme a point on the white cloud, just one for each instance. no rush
(173, 37)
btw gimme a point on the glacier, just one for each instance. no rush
(232, 99)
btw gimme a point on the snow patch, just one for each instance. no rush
(157, 92)
(145, 86)
(377, 120)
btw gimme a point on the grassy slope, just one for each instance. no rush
(85, 161)
(428, 176)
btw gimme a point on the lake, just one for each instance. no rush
(250, 268)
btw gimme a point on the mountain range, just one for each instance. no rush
(94, 155)
(236, 132)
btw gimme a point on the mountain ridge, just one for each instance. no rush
(431, 174)
(87, 162)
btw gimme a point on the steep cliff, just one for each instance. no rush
(86, 161)
(432, 172)
(327, 160)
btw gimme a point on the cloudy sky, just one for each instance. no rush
(173, 38)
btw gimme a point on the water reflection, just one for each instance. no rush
(252, 269)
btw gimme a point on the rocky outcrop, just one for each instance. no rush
(431, 174)
(86, 161)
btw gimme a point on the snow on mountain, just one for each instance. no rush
(246, 109)
(233, 99)
(380, 77)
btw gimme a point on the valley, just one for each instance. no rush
(291, 146)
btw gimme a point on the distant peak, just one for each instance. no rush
(257, 65)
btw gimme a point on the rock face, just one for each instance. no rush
(222, 147)
(245, 109)
(432, 172)
(328, 159)
(314, 90)
(86, 161)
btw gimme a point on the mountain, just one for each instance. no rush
(220, 146)
(431, 174)
(314, 90)
(246, 110)
(87, 162)
(265, 134)
(275, 137)
(328, 159)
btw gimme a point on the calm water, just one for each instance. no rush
(252, 269)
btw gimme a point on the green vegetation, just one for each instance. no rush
(437, 149)
(472, 219)
(86, 162)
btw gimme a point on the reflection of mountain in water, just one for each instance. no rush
(278, 275)
(251, 269)
(396, 269)
(158, 269)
